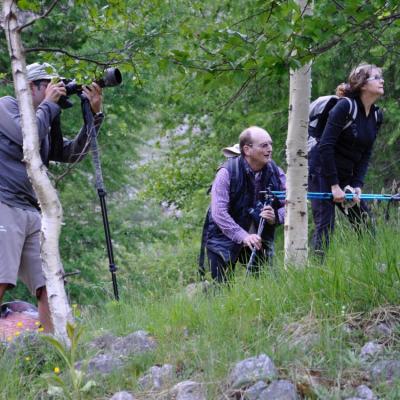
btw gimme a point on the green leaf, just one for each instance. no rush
(59, 347)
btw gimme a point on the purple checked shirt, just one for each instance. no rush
(220, 205)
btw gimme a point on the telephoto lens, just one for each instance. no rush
(111, 77)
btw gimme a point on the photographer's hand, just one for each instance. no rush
(54, 91)
(94, 94)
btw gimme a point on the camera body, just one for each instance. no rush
(112, 77)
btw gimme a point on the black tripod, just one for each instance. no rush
(91, 131)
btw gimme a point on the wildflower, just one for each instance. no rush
(27, 359)
(40, 329)
(9, 338)
(20, 324)
(17, 333)
(57, 370)
(37, 323)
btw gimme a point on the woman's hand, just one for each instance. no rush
(357, 195)
(338, 194)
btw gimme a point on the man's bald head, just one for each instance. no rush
(253, 134)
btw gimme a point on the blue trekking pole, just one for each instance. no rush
(281, 195)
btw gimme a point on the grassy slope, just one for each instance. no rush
(204, 336)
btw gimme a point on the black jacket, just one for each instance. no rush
(342, 156)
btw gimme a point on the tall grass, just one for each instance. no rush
(296, 316)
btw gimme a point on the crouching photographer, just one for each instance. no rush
(20, 219)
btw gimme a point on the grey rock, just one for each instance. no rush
(364, 392)
(102, 363)
(279, 390)
(254, 391)
(113, 351)
(370, 349)
(385, 371)
(384, 329)
(252, 370)
(354, 398)
(157, 377)
(102, 343)
(122, 396)
(188, 390)
(381, 330)
(135, 343)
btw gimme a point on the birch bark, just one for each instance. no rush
(296, 221)
(37, 172)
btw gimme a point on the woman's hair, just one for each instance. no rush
(357, 79)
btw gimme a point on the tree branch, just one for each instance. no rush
(58, 50)
(44, 15)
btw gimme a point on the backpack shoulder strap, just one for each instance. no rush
(378, 117)
(352, 111)
(274, 167)
(202, 269)
(275, 172)
(232, 165)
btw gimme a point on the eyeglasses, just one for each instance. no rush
(375, 78)
(263, 146)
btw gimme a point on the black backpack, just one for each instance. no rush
(233, 181)
(319, 112)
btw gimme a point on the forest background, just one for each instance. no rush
(195, 74)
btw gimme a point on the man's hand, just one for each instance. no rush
(94, 94)
(357, 192)
(54, 91)
(338, 194)
(268, 214)
(252, 241)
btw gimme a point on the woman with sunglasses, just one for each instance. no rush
(339, 161)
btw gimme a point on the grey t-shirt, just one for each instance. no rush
(15, 187)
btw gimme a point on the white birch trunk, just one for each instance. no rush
(37, 172)
(296, 221)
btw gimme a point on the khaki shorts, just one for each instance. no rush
(20, 247)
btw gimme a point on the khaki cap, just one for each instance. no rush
(231, 151)
(37, 72)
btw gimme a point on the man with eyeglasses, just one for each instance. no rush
(20, 220)
(235, 205)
